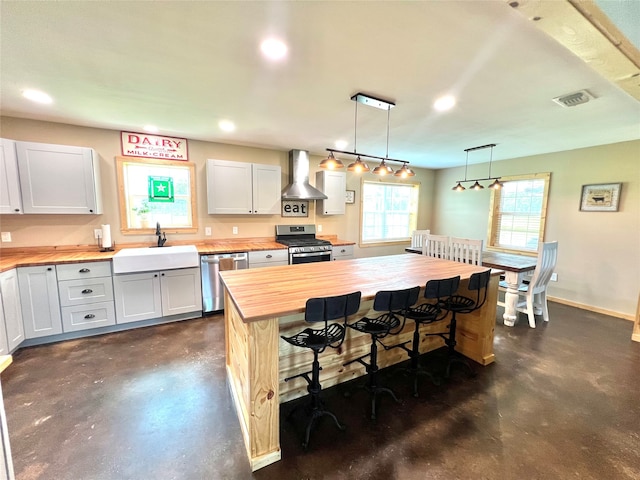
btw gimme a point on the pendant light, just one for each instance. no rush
(496, 185)
(358, 166)
(383, 169)
(404, 172)
(331, 162)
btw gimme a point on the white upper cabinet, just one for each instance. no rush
(243, 188)
(10, 201)
(334, 185)
(59, 179)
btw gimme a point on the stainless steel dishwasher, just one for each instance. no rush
(212, 291)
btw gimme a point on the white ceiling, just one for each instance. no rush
(183, 66)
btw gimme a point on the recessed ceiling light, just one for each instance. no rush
(150, 129)
(274, 49)
(37, 96)
(444, 103)
(341, 144)
(227, 125)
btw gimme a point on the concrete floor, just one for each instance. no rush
(562, 401)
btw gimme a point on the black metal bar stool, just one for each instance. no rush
(322, 310)
(424, 314)
(393, 303)
(455, 304)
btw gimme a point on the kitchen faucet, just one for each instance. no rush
(162, 236)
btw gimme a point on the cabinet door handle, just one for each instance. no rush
(49, 269)
(84, 270)
(16, 209)
(342, 251)
(87, 290)
(89, 315)
(155, 274)
(162, 274)
(269, 256)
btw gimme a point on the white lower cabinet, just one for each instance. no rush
(86, 295)
(148, 295)
(268, 258)
(11, 327)
(39, 301)
(343, 252)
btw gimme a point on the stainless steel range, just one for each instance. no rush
(303, 245)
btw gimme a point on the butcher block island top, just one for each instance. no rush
(264, 303)
(284, 290)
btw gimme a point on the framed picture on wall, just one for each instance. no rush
(350, 196)
(600, 197)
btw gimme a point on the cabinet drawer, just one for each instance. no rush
(73, 271)
(83, 292)
(83, 317)
(343, 252)
(268, 258)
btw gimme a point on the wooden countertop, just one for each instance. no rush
(32, 256)
(283, 290)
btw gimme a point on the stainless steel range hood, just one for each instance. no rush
(299, 188)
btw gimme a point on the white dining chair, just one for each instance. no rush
(533, 296)
(417, 238)
(465, 250)
(436, 246)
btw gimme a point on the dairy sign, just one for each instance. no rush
(153, 146)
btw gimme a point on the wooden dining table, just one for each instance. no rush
(515, 267)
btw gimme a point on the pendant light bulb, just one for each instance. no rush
(496, 185)
(358, 166)
(331, 162)
(476, 186)
(383, 169)
(404, 172)
(458, 188)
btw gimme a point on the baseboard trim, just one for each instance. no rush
(591, 308)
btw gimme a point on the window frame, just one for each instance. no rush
(414, 214)
(125, 228)
(493, 227)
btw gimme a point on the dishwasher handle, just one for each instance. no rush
(238, 257)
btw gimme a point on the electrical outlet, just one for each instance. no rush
(554, 277)
(235, 230)
(6, 236)
(207, 231)
(319, 228)
(97, 232)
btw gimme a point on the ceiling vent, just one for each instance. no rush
(573, 99)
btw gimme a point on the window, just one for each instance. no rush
(389, 211)
(156, 191)
(518, 213)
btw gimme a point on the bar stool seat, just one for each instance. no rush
(455, 304)
(322, 310)
(392, 303)
(427, 313)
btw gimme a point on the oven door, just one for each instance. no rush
(311, 257)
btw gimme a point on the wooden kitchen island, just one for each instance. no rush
(261, 304)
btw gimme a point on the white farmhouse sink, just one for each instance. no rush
(144, 259)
